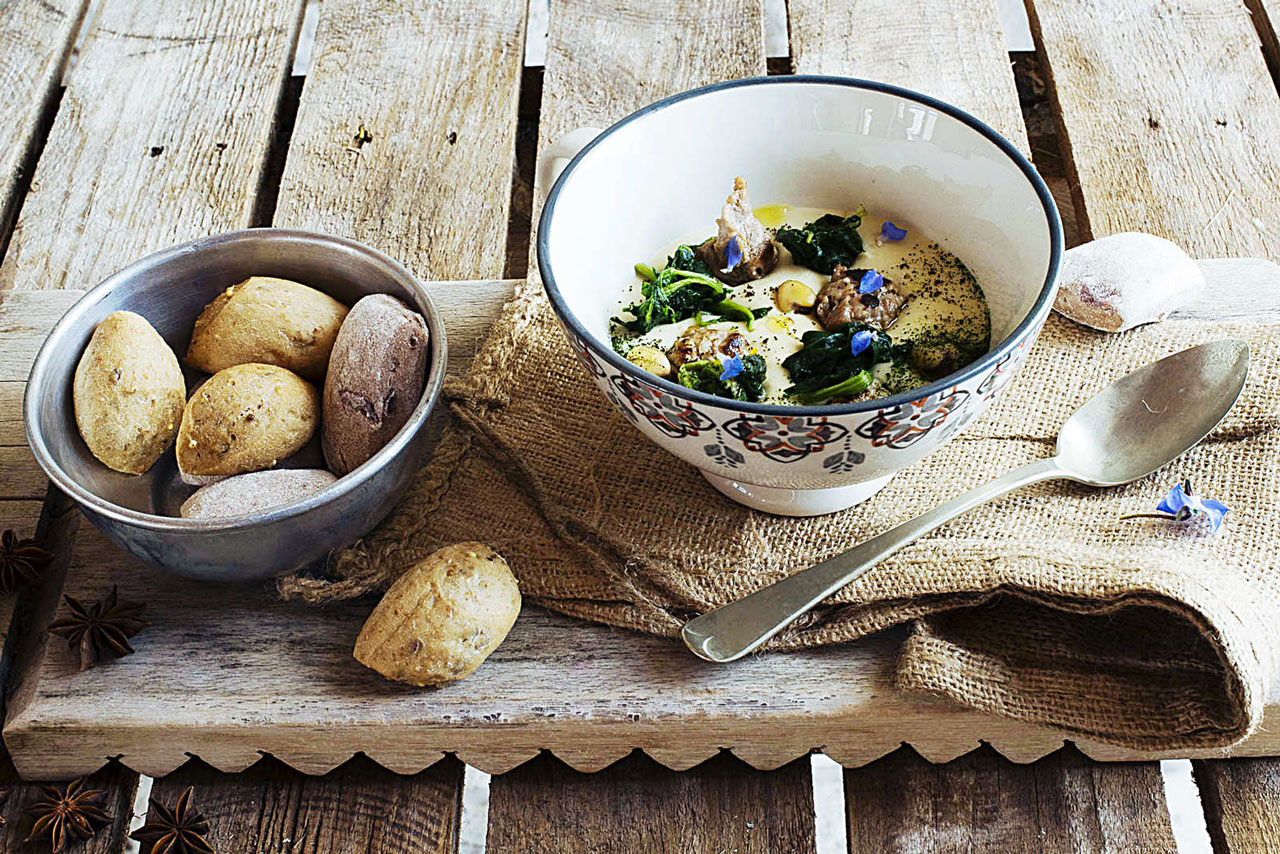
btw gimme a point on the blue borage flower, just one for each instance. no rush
(860, 341)
(1180, 504)
(731, 367)
(891, 233)
(870, 282)
(732, 254)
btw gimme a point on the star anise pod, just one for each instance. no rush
(180, 830)
(73, 812)
(20, 560)
(103, 628)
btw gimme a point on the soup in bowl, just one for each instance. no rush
(799, 344)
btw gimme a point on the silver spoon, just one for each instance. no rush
(1133, 427)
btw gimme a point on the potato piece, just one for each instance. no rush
(442, 618)
(268, 321)
(650, 359)
(245, 418)
(794, 296)
(374, 382)
(128, 393)
(255, 491)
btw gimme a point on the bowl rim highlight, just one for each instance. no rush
(1039, 310)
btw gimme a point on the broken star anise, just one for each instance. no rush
(180, 830)
(74, 812)
(20, 560)
(100, 629)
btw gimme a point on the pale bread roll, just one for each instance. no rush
(128, 393)
(245, 418)
(253, 492)
(268, 321)
(1125, 280)
(442, 618)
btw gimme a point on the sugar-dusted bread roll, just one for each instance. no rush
(374, 381)
(1125, 280)
(442, 618)
(269, 321)
(128, 393)
(245, 418)
(258, 490)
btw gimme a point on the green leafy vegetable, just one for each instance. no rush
(825, 365)
(705, 376)
(684, 288)
(822, 244)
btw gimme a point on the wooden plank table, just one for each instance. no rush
(168, 127)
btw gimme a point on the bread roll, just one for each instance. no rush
(255, 491)
(128, 393)
(442, 618)
(1125, 280)
(268, 321)
(374, 381)
(245, 418)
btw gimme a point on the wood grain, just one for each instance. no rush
(318, 707)
(161, 136)
(1241, 804)
(405, 136)
(608, 58)
(1170, 120)
(35, 37)
(637, 805)
(25, 321)
(951, 49)
(358, 807)
(902, 804)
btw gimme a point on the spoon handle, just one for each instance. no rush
(731, 631)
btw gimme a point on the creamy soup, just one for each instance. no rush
(939, 320)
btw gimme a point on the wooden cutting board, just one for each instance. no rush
(227, 672)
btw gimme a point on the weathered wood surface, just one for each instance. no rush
(1241, 804)
(299, 695)
(35, 38)
(902, 804)
(637, 805)
(161, 136)
(25, 321)
(405, 135)
(950, 49)
(358, 807)
(1171, 120)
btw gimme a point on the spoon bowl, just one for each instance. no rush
(1130, 429)
(1153, 415)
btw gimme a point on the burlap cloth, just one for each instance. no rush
(1043, 606)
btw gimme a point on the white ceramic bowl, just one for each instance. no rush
(832, 142)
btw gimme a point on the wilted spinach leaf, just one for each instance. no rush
(825, 365)
(705, 376)
(822, 244)
(683, 288)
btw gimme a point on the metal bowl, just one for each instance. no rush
(169, 289)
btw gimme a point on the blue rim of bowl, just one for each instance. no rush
(352, 480)
(1038, 312)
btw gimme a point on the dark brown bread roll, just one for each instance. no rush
(374, 382)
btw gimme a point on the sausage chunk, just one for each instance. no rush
(759, 254)
(839, 301)
(700, 343)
